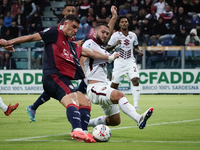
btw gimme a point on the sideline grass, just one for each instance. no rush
(174, 125)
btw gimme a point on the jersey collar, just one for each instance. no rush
(96, 41)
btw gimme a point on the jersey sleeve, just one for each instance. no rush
(49, 35)
(113, 40)
(87, 44)
(135, 42)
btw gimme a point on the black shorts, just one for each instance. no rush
(57, 86)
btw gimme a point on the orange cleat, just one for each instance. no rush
(80, 135)
(11, 109)
(90, 135)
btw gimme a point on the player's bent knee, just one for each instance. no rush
(116, 95)
(83, 100)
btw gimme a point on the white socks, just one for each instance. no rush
(3, 106)
(128, 109)
(96, 121)
(136, 95)
(77, 129)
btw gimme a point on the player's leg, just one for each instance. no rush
(61, 88)
(7, 109)
(31, 110)
(84, 109)
(99, 93)
(111, 118)
(116, 78)
(70, 102)
(133, 74)
(114, 85)
(3, 106)
(118, 97)
(136, 92)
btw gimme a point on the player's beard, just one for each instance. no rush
(99, 39)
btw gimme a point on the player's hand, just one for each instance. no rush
(3, 43)
(113, 10)
(116, 55)
(140, 53)
(80, 42)
(118, 42)
(9, 48)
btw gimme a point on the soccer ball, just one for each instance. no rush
(101, 133)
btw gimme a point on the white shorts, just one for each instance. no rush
(99, 93)
(130, 70)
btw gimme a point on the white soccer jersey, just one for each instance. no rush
(125, 49)
(125, 64)
(95, 69)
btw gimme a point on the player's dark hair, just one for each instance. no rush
(72, 18)
(121, 17)
(66, 5)
(100, 24)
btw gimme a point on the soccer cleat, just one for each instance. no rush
(11, 109)
(144, 117)
(31, 113)
(89, 135)
(137, 108)
(80, 135)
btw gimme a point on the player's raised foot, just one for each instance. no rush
(31, 113)
(80, 135)
(11, 109)
(144, 117)
(137, 108)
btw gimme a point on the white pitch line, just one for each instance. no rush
(116, 141)
(36, 137)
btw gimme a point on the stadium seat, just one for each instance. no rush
(48, 14)
(49, 21)
(123, 11)
(21, 63)
(173, 59)
(47, 24)
(25, 45)
(166, 42)
(57, 4)
(196, 59)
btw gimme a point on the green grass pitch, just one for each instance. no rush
(175, 125)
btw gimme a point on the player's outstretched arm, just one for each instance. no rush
(113, 20)
(97, 55)
(22, 39)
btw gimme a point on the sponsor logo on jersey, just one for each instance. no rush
(126, 42)
(47, 29)
(88, 46)
(61, 26)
